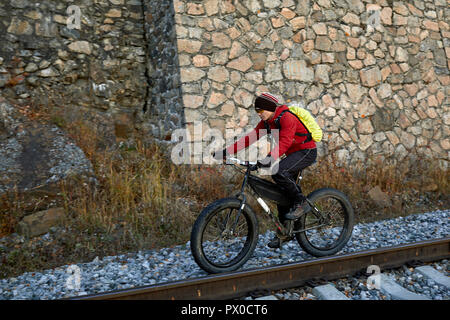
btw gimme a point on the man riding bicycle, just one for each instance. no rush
(294, 142)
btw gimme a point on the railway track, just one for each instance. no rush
(238, 284)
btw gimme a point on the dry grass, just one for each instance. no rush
(143, 196)
(412, 186)
(143, 201)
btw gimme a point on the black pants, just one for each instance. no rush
(288, 171)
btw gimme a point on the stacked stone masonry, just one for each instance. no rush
(374, 73)
(377, 89)
(84, 57)
(164, 107)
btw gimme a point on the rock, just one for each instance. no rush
(219, 74)
(189, 46)
(322, 73)
(81, 47)
(431, 25)
(356, 64)
(277, 22)
(365, 141)
(49, 72)
(298, 23)
(216, 99)
(201, 61)
(401, 55)
(408, 140)
(252, 5)
(20, 27)
(211, 7)
(258, 60)
(384, 91)
(242, 64)
(308, 46)
(386, 16)
(40, 222)
(393, 138)
(370, 77)
(271, 4)
(351, 18)
(237, 50)
(191, 74)
(320, 28)
(380, 198)
(114, 13)
(273, 72)
(244, 98)
(35, 155)
(323, 43)
(192, 101)
(195, 9)
(288, 14)
(355, 92)
(31, 67)
(365, 126)
(221, 40)
(297, 70)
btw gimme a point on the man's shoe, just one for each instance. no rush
(277, 241)
(274, 243)
(298, 210)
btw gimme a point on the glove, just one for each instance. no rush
(220, 155)
(265, 163)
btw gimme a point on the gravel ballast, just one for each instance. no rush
(176, 263)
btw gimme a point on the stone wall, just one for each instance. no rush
(94, 70)
(164, 107)
(376, 87)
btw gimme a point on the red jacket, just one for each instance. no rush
(288, 141)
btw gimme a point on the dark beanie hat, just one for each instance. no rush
(266, 101)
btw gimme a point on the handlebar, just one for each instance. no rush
(251, 164)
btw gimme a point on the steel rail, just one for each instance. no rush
(237, 284)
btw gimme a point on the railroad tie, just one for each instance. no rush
(397, 292)
(328, 292)
(434, 275)
(272, 297)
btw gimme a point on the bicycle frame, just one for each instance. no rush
(286, 231)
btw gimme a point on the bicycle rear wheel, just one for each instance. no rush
(326, 232)
(223, 240)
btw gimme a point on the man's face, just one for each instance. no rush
(265, 115)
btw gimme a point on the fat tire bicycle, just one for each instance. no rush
(225, 234)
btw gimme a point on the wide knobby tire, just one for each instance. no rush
(212, 241)
(332, 238)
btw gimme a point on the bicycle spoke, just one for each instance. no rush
(225, 236)
(325, 236)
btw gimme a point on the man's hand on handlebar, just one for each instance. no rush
(264, 163)
(224, 155)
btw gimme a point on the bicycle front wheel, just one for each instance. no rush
(223, 239)
(328, 226)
